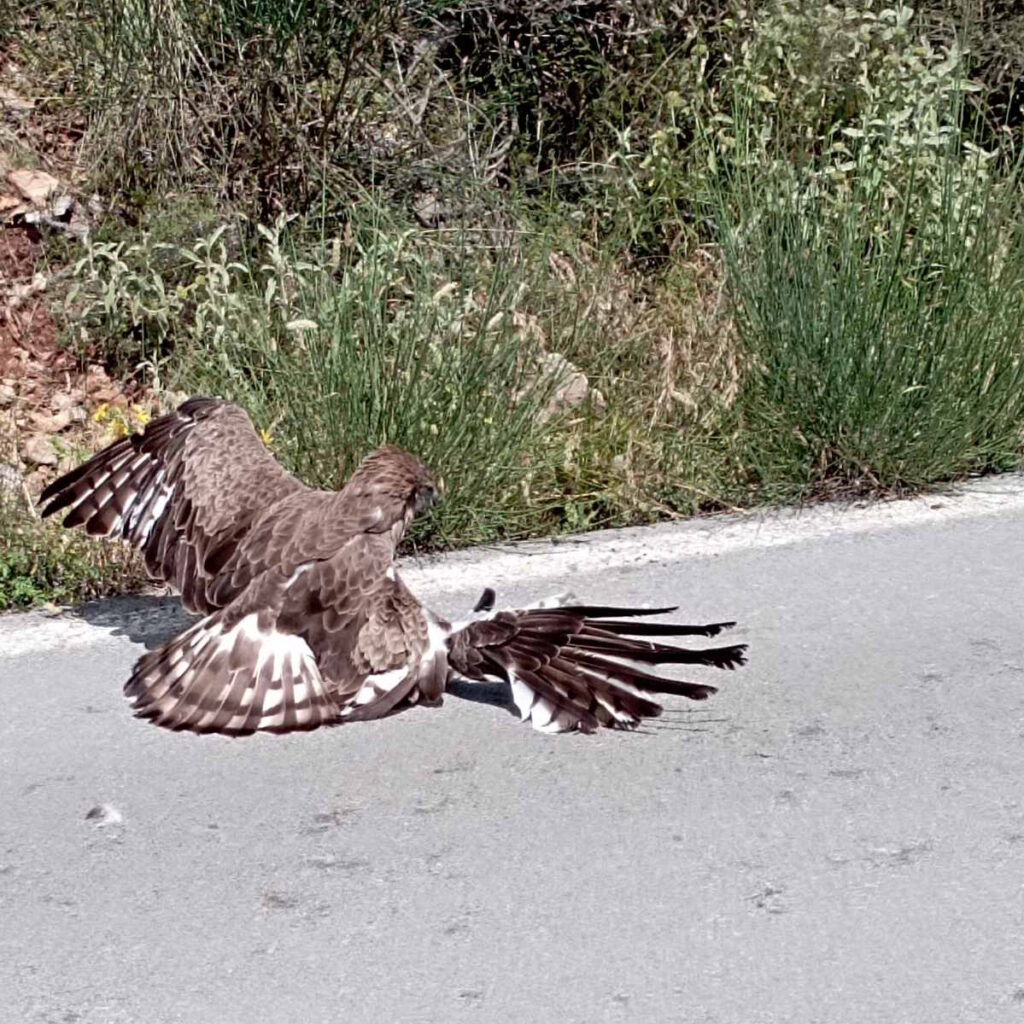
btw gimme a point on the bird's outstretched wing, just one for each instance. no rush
(337, 640)
(583, 667)
(212, 510)
(184, 492)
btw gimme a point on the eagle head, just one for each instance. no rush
(396, 482)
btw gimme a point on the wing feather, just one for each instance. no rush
(568, 671)
(335, 640)
(192, 483)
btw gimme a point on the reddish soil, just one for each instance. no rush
(38, 377)
(28, 335)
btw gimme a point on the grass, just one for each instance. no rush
(764, 233)
(337, 345)
(393, 349)
(40, 563)
(884, 349)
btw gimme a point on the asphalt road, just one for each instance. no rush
(837, 836)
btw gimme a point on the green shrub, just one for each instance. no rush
(883, 334)
(822, 93)
(781, 239)
(245, 98)
(363, 340)
(41, 562)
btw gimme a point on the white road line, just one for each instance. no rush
(618, 549)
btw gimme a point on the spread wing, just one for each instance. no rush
(580, 668)
(185, 493)
(338, 639)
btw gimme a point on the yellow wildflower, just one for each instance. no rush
(141, 415)
(266, 437)
(101, 413)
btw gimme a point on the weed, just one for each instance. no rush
(781, 241)
(42, 562)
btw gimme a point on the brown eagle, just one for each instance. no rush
(306, 619)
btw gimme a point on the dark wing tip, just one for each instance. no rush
(714, 628)
(56, 489)
(48, 492)
(595, 611)
(730, 657)
(701, 691)
(633, 628)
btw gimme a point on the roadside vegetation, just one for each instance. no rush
(598, 262)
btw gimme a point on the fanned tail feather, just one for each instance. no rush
(581, 667)
(233, 678)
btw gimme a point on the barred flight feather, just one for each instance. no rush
(568, 672)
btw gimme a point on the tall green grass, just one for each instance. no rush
(246, 99)
(882, 332)
(389, 347)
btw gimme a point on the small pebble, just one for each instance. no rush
(103, 814)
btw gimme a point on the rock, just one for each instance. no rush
(17, 294)
(61, 206)
(104, 814)
(39, 451)
(429, 210)
(11, 205)
(35, 186)
(99, 386)
(60, 420)
(42, 423)
(62, 212)
(7, 396)
(15, 106)
(67, 399)
(572, 387)
(12, 487)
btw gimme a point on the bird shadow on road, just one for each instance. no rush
(151, 620)
(148, 619)
(496, 694)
